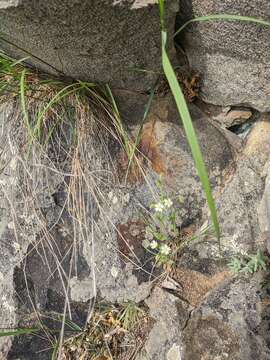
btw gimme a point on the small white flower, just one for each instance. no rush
(10, 225)
(168, 203)
(159, 207)
(114, 272)
(165, 249)
(153, 244)
(17, 247)
(114, 200)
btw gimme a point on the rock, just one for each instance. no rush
(194, 285)
(237, 209)
(100, 42)
(264, 210)
(242, 206)
(163, 141)
(231, 117)
(239, 205)
(111, 263)
(170, 315)
(231, 57)
(230, 323)
(258, 145)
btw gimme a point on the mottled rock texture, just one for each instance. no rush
(101, 41)
(230, 323)
(171, 315)
(40, 237)
(232, 57)
(73, 220)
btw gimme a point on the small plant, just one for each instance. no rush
(110, 334)
(130, 315)
(161, 228)
(249, 264)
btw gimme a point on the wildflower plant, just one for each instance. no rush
(161, 229)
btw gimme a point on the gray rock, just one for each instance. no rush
(38, 230)
(165, 144)
(109, 261)
(231, 117)
(170, 315)
(230, 323)
(232, 57)
(242, 203)
(264, 211)
(101, 41)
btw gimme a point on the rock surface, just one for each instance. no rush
(104, 256)
(230, 323)
(171, 315)
(102, 42)
(111, 262)
(231, 57)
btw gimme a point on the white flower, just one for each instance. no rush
(153, 244)
(168, 203)
(159, 207)
(114, 272)
(165, 249)
(17, 247)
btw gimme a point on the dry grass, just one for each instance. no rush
(114, 332)
(56, 139)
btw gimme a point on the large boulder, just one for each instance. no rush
(100, 41)
(232, 57)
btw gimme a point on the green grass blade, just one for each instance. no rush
(65, 92)
(118, 123)
(190, 132)
(18, 332)
(112, 99)
(222, 17)
(139, 132)
(23, 101)
(55, 351)
(162, 13)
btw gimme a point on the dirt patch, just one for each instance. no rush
(209, 338)
(195, 286)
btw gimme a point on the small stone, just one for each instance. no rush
(233, 117)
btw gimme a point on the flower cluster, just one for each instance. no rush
(163, 205)
(161, 230)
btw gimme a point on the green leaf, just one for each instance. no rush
(23, 101)
(222, 17)
(162, 13)
(18, 332)
(190, 132)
